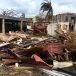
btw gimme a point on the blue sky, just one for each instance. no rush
(31, 7)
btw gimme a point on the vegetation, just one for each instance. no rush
(46, 6)
(7, 12)
(71, 43)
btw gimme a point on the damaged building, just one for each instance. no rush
(66, 21)
(8, 23)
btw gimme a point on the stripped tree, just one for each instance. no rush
(46, 6)
(9, 12)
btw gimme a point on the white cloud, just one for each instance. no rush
(31, 7)
(64, 6)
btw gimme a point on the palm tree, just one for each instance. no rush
(46, 6)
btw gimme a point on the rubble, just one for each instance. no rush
(22, 48)
(33, 50)
(69, 41)
(39, 30)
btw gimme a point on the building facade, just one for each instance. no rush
(66, 17)
(67, 20)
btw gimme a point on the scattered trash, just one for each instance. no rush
(22, 49)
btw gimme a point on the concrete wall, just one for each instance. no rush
(51, 29)
(54, 26)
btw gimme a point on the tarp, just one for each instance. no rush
(40, 61)
(53, 48)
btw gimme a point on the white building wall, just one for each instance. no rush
(51, 29)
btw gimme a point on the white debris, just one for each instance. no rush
(62, 64)
(53, 73)
(16, 65)
(4, 44)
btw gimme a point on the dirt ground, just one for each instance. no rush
(21, 71)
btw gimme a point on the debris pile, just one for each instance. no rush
(24, 49)
(40, 30)
(34, 50)
(69, 41)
